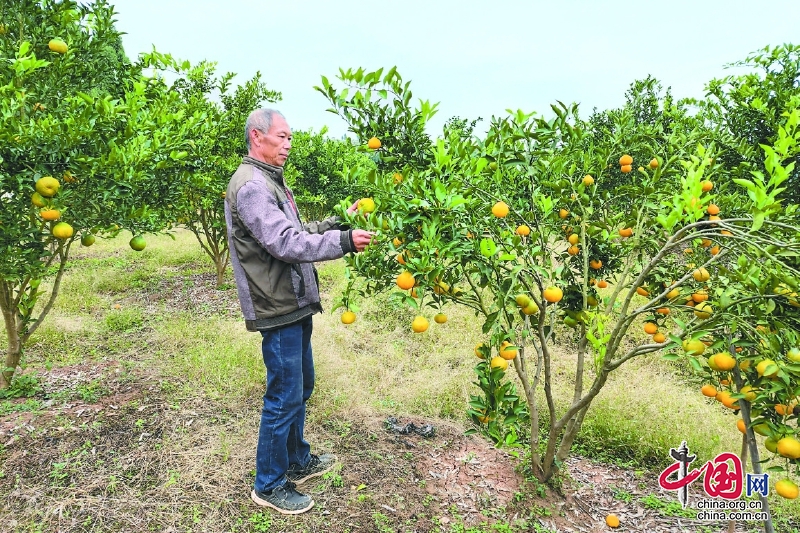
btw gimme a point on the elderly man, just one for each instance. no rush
(273, 255)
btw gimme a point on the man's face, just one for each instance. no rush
(273, 146)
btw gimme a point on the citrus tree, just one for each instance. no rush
(88, 146)
(217, 148)
(315, 171)
(558, 231)
(749, 108)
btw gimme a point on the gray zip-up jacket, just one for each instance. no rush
(272, 252)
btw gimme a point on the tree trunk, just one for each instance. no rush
(14, 350)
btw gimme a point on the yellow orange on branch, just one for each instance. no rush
(500, 210)
(419, 324)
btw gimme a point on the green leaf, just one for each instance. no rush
(488, 247)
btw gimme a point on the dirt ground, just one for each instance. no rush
(138, 459)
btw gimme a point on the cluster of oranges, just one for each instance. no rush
(626, 164)
(721, 363)
(46, 189)
(506, 352)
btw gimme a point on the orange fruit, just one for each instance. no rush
(763, 430)
(662, 310)
(653, 163)
(138, 243)
(500, 209)
(563, 213)
(405, 280)
(374, 143)
(709, 390)
(650, 328)
(38, 200)
(87, 240)
(506, 352)
(530, 309)
(787, 488)
(574, 238)
(612, 520)
(397, 177)
(625, 160)
(700, 296)
(602, 284)
(588, 180)
(47, 186)
(723, 361)
(596, 264)
(705, 243)
(726, 233)
(703, 310)
(440, 318)
(674, 293)
(419, 324)
(625, 169)
(771, 444)
(62, 230)
(693, 347)
(749, 393)
(789, 447)
(58, 46)
(50, 214)
(366, 206)
(553, 294)
(440, 287)
(641, 291)
(573, 250)
(498, 362)
(701, 274)
(348, 317)
(714, 250)
(397, 242)
(712, 209)
(400, 259)
(626, 232)
(741, 425)
(761, 368)
(659, 338)
(706, 185)
(523, 230)
(724, 397)
(782, 409)
(482, 350)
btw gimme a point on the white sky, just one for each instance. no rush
(476, 58)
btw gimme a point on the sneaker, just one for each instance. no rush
(318, 465)
(284, 499)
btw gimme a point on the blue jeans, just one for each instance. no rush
(290, 382)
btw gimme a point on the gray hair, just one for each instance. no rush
(261, 120)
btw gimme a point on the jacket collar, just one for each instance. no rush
(273, 170)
